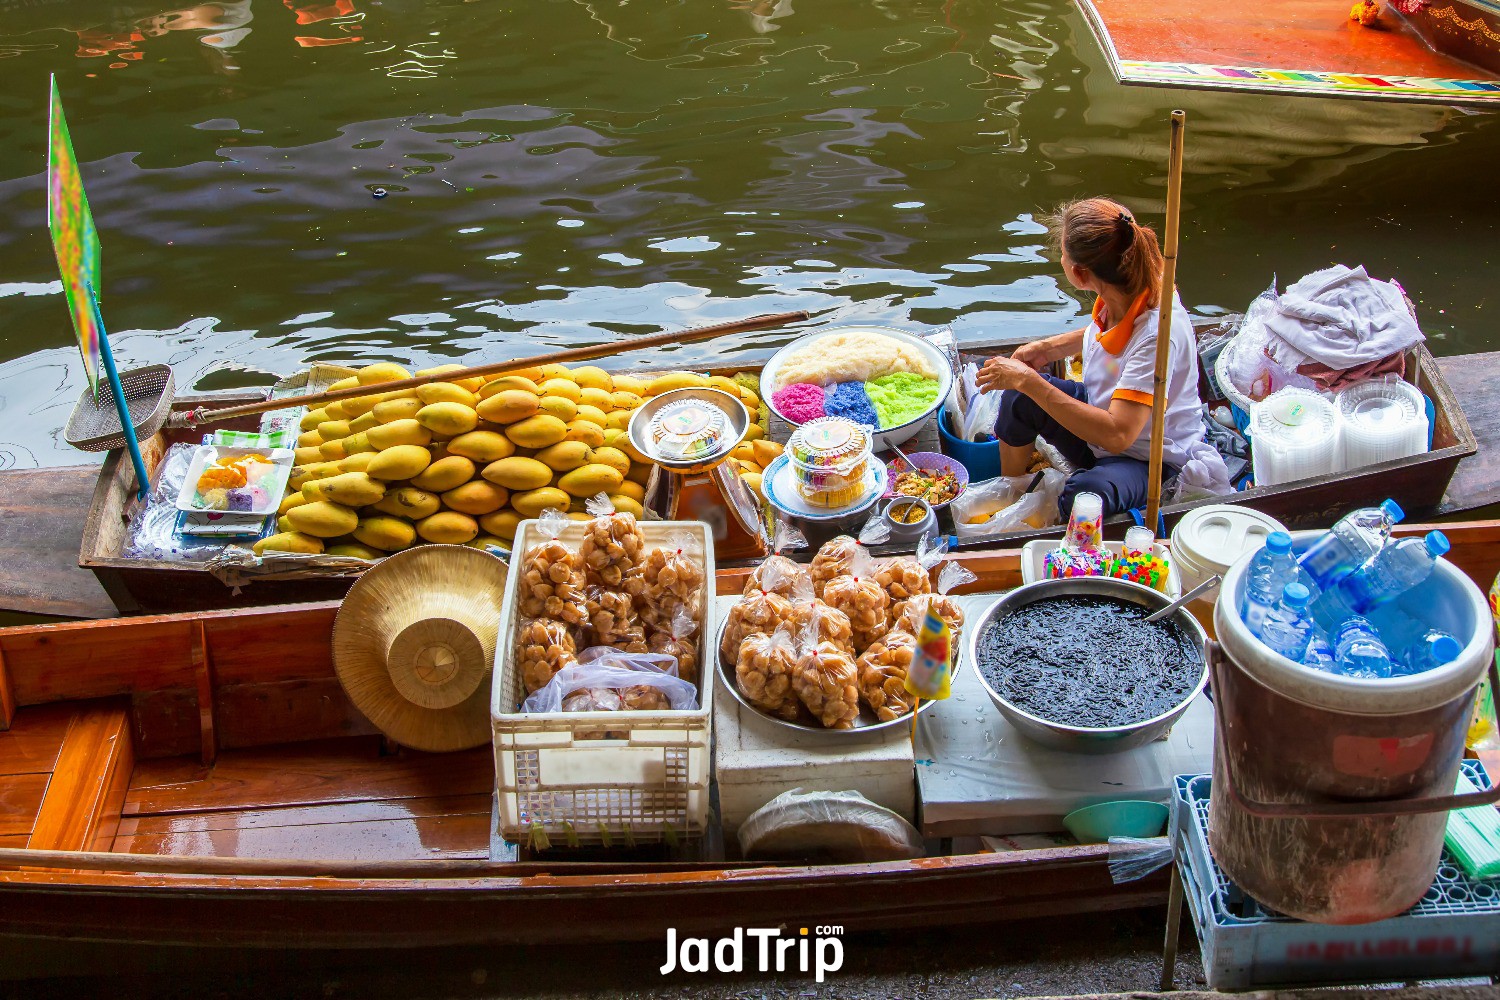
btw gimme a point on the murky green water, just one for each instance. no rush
(559, 172)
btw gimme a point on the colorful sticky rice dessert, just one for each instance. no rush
(848, 400)
(901, 397)
(851, 357)
(799, 402)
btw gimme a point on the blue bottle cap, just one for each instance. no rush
(1279, 542)
(1444, 648)
(1392, 510)
(1295, 594)
(1437, 543)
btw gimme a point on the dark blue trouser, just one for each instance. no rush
(1120, 480)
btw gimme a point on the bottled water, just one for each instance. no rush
(1358, 651)
(1272, 569)
(1433, 650)
(1319, 655)
(1288, 627)
(1393, 572)
(1350, 543)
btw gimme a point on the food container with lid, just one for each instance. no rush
(1294, 434)
(689, 429)
(830, 459)
(1381, 420)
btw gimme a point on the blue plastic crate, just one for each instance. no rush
(1453, 932)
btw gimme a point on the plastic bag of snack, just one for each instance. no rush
(814, 621)
(593, 700)
(600, 667)
(670, 579)
(908, 615)
(907, 576)
(544, 646)
(779, 575)
(826, 680)
(859, 595)
(612, 546)
(551, 583)
(837, 555)
(679, 641)
(762, 611)
(765, 670)
(612, 616)
(882, 675)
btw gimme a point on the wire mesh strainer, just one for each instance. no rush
(95, 424)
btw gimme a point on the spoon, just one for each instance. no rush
(1197, 591)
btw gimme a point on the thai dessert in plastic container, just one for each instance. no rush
(830, 460)
(689, 429)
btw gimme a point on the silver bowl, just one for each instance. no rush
(1082, 739)
(640, 424)
(863, 727)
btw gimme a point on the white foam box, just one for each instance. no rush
(756, 760)
(977, 775)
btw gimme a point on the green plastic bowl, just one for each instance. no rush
(1131, 818)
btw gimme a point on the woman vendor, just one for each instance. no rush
(1102, 425)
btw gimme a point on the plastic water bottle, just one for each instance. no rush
(1288, 627)
(1358, 651)
(1433, 650)
(1350, 543)
(1271, 570)
(1319, 655)
(1393, 572)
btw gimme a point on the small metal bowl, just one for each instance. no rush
(640, 426)
(863, 727)
(1082, 739)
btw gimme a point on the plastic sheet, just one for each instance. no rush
(998, 504)
(843, 826)
(152, 532)
(1133, 858)
(602, 668)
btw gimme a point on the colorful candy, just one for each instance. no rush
(1066, 564)
(1085, 523)
(1144, 568)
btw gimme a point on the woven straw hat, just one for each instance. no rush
(414, 644)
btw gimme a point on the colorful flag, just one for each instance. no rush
(74, 238)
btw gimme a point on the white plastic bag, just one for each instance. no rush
(997, 505)
(601, 667)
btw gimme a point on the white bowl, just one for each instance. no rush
(897, 435)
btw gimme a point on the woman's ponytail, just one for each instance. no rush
(1104, 237)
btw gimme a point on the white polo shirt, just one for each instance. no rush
(1120, 363)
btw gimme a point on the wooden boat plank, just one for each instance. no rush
(82, 803)
(31, 746)
(298, 816)
(452, 835)
(1472, 378)
(281, 649)
(41, 528)
(324, 771)
(20, 798)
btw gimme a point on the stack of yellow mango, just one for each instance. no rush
(464, 461)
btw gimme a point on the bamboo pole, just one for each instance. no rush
(1164, 320)
(196, 418)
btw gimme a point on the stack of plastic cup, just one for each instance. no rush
(1381, 420)
(1294, 435)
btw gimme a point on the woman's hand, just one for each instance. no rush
(1036, 355)
(1005, 373)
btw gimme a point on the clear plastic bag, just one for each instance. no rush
(552, 581)
(764, 670)
(544, 647)
(836, 826)
(600, 667)
(669, 580)
(1000, 504)
(152, 531)
(677, 641)
(612, 546)
(1132, 858)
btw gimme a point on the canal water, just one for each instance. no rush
(282, 181)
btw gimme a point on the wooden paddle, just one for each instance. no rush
(1164, 320)
(194, 418)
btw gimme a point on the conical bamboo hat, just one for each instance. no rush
(414, 645)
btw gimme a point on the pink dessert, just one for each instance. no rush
(799, 402)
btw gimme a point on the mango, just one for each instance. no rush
(380, 531)
(472, 384)
(448, 419)
(601, 399)
(633, 490)
(355, 550)
(292, 500)
(410, 503)
(578, 515)
(750, 399)
(612, 436)
(358, 462)
(321, 519)
(566, 456)
(304, 474)
(508, 406)
(446, 392)
(559, 407)
(478, 497)
(352, 489)
(360, 405)
(390, 410)
(347, 382)
(332, 430)
(312, 418)
(591, 479)
(753, 480)
(629, 448)
(724, 384)
(625, 503)
(537, 431)
(564, 387)
(676, 380)
(592, 414)
(502, 523)
(517, 473)
(640, 473)
(307, 456)
(618, 420)
(444, 474)
(335, 411)
(533, 502)
(405, 431)
(749, 467)
(482, 446)
(399, 462)
(544, 372)
(309, 439)
(612, 457)
(363, 422)
(381, 371)
(755, 432)
(631, 383)
(743, 452)
(288, 541)
(448, 527)
(593, 377)
(620, 400)
(586, 431)
(765, 451)
(500, 383)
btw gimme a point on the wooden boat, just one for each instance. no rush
(39, 578)
(201, 780)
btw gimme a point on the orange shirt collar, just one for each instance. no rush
(1115, 339)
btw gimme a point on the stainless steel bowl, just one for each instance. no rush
(864, 726)
(640, 424)
(1081, 739)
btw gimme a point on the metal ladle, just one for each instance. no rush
(1196, 592)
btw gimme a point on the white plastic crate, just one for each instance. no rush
(554, 775)
(1453, 932)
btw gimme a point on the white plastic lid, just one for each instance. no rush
(1213, 538)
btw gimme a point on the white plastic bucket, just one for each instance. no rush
(1208, 540)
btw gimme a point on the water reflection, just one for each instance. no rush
(588, 170)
